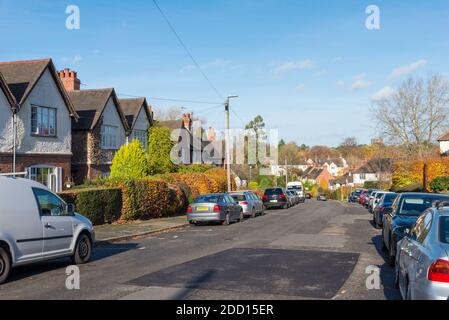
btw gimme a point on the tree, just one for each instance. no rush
(257, 128)
(159, 150)
(415, 115)
(130, 162)
(172, 113)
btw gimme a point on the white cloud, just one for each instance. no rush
(341, 83)
(301, 88)
(294, 65)
(405, 70)
(383, 93)
(72, 60)
(360, 82)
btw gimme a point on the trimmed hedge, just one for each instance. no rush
(144, 199)
(99, 205)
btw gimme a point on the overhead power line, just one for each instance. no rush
(214, 88)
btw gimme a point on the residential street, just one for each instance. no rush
(319, 250)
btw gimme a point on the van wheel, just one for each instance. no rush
(5, 265)
(83, 250)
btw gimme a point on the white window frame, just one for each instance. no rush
(109, 137)
(140, 135)
(43, 121)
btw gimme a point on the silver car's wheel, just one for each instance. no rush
(83, 250)
(242, 217)
(253, 213)
(5, 265)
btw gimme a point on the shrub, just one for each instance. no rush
(178, 200)
(195, 168)
(219, 180)
(440, 184)
(199, 183)
(130, 162)
(144, 199)
(99, 205)
(371, 185)
(253, 185)
(160, 146)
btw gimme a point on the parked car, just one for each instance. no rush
(275, 198)
(422, 264)
(251, 204)
(322, 197)
(293, 198)
(298, 188)
(369, 198)
(220, 208)
(403, 214)
(37, 225)
(363, 195)
(309, 196)
(385, 202)
(375, 200)
(354, 196)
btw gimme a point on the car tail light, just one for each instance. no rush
(282, 196)
(189, 209)
(381, 208)
(217, 208)
(439, 271)
(244, 203)
(264, 197)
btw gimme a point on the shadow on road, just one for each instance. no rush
(99, 253)
(194, 284)
(387, 275)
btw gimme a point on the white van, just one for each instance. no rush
(37, 225)
(297, 187)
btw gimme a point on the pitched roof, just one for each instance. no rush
(8, 94)
(444, 137)
(22, 77)
(90, 105)
(376, 166)
(313, 173)
(171, 124)
(132, 107)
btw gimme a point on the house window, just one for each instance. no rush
(109, 137)
(140, 135)
(43, 121)
(363, 176)
(49, 176)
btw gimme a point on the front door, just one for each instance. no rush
(57, 225)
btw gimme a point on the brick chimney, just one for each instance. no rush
(70, 80)
(211, 134)
(187, 120)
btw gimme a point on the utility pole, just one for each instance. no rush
(228, 138)
(286, 173)
(14, 132)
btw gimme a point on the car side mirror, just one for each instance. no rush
(388, 211)
(70, 209)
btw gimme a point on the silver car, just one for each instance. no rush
(221, 208)
(422, 262)
(251, 204)
(37, 225)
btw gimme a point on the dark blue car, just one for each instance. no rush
(403, 214)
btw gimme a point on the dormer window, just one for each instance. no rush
(43, 121)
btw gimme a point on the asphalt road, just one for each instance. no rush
(317, 250)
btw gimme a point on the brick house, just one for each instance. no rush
(101, 130)
(44, 114)
(317, 175)
(139, 115)
(195, 145)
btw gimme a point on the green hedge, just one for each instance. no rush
(99, 205)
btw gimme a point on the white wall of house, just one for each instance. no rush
(44, 94)
(444, 147)
(361, 178)
(111, 118)
(5, 124)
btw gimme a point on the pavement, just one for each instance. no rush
(121, 232)
(317, 250)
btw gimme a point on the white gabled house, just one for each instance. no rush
(44, 116)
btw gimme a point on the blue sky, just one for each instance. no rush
(310, 68)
